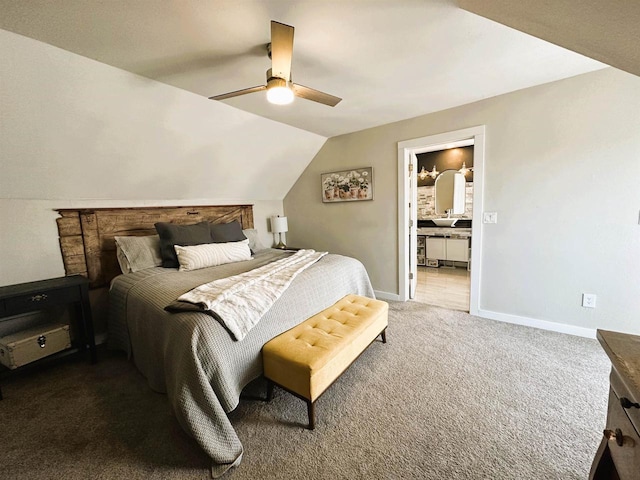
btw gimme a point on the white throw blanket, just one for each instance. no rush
(240, 301)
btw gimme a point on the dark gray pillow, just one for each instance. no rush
(185, 235)
(227, 232)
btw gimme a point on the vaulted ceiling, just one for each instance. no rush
(604, 30)
(388, 60)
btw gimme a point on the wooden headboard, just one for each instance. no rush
(86, 235)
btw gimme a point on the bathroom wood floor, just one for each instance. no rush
(444, 287)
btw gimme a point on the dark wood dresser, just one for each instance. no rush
(618, 456)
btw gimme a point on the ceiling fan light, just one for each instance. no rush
(278, 92)
(280, 95)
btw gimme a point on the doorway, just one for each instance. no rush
(443, 276)
(407, 207)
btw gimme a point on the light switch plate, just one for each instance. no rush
(490, 217)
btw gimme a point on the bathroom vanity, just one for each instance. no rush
(440, 244)
(444, 225)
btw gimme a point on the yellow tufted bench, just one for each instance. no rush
(307, 359)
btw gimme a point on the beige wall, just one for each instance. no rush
(79, 133)
(567, 203)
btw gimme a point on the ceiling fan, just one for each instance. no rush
(280, 89)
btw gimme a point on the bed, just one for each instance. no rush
(190, 355)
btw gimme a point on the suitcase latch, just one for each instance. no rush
(42, 341)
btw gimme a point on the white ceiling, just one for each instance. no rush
(388, 60)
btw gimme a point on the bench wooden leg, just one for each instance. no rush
(384, 335)
(311, 411)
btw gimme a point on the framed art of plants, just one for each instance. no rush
(347, 185)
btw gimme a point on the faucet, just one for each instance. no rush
(448, 213)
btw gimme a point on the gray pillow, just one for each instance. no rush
(172, 234)
(227, 232)
(138, 253)
(254, 240)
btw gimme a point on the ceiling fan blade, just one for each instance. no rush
(237, 93)
(281, 50)
(315, 95)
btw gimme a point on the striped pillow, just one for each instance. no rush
(211, 254)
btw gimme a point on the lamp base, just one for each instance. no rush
(280, 244)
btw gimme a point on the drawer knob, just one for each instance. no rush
(617, 435)
(39, 297)
(626, 403)
(621, 440)
(42, 341)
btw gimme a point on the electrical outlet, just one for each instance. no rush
(490, 217)
(589, 300)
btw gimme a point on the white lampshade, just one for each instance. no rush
(279, 224)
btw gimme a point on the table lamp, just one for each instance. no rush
(279, 225)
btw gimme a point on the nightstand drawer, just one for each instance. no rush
(624, 395)
(624, 442)
(40, 299)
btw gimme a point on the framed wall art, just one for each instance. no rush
(347, 185)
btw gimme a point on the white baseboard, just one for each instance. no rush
(387, 296)
(541, 324)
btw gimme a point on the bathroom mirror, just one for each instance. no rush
(449, 192)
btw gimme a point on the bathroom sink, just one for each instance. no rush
(444, 222)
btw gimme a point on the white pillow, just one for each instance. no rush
(254, 240)
(138, 253)
(211, 254)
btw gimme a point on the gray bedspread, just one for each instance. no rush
(191, 357)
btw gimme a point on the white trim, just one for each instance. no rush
(541, 324)
(387, 296)
(423, 144)
(404, 159)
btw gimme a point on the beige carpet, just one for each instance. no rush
(450, 396)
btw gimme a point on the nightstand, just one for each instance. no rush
(44, 294)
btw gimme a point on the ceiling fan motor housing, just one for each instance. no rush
(275, 81)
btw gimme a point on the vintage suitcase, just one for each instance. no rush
(33, 344)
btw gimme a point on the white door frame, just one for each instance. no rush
(420, 145)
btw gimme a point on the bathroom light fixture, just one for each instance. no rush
(424, 174)
(464, 170)
(279, 225)
(278, 91)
